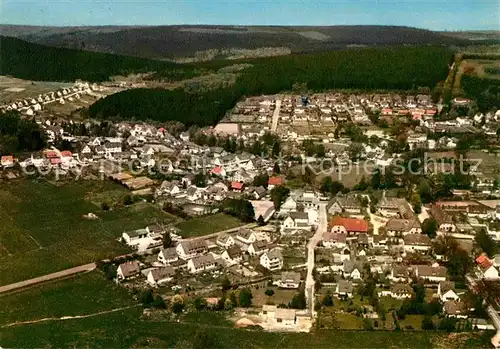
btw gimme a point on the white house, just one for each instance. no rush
(127, 270)
(191, 248)
(417, 243)
(168, 255)
(160, 276)
(490, 272)
(246, 236)
(446, 291)
(288, 280)
(334, 240)
(430, 273)
(272, 260)
(232, 255)
(225, 240)
(201, 263)
(135, 237)
(296, 221)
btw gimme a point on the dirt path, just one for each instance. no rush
(69, 317)
(48, 277)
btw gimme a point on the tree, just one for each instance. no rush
(367, 325)
(261, 221)
(200, 303)
(105, 206)
(276, 168)
(376, 181)
(427, 323)
(308, 175)
(167, 240)
(416, 202)
(485, 243)
(127, 200)
(226, 284)
(278, 195)
(269, 292)
(445, 245)
(327, 300)
(425, 191)
(177, 304)
(362, 185)
(459, 264)
(355, 150)
(260, 180)
(298, 301)
(430, 227)
(447, 324)
(246, 298)
(146, 298)
(200, 180)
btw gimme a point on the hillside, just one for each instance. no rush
(30, 61)
(403, 68)
(210, 42)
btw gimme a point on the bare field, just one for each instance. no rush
(12, 89)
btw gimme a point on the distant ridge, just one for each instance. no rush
(174, 42)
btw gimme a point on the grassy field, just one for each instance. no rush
(482, 68)
(207, 225)
(43, 229)
(81, 295)
(127, 329)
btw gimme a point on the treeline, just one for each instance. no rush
(17, 135)
(403, 68)
(486, 92)
(36, 62)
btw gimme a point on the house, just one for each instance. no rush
(401, 291)
(218, 171)
(397, 227)
(7, 161)
(134, 237)
(344, 289)
(281, 317)
(482, 324)
(191, 248)
(348, 226)
(246, 236)
(430, 273)
(258, 247)
(272, 259)
(201, 263)
(290, 205)
(168, 255)
(232, 255)
(351, 270)
(399, 273)
(490, 272)
(296, 221)
(236, 186)
(274, 182)
(225, 240)
(446, 291)
(342, 254)
(112, 147)
(160, 276)
(264, 208)
(394, 207)
(269, 311)
(345, 204)
(456, 309)
(127, 270)
(184, 136)
(258, 192)
(417, 243)
(444, 221)
(288, 280)
(331, 240)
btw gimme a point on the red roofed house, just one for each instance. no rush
(55, 161)
(219, 171)
(386, 111)
(7, 161)
(51, 154)
(66, 156)
(274, 182)
(236, 186)
(348, 226)
(483, 259)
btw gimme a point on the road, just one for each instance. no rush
(375, 220)
(276, 115)
(48, 277)
(322, 227)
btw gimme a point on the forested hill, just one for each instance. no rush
(30, 61)
(403, 68)
(170, 42)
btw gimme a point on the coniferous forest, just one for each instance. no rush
(404, 68)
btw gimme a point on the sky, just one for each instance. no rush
(428, 14)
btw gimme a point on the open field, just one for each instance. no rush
(207, 225)
(482, 68)
(81, 295)
(126, 329)
(12, 89)
(280, 296)
(43, 229)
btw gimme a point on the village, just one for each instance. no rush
(307, 253)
